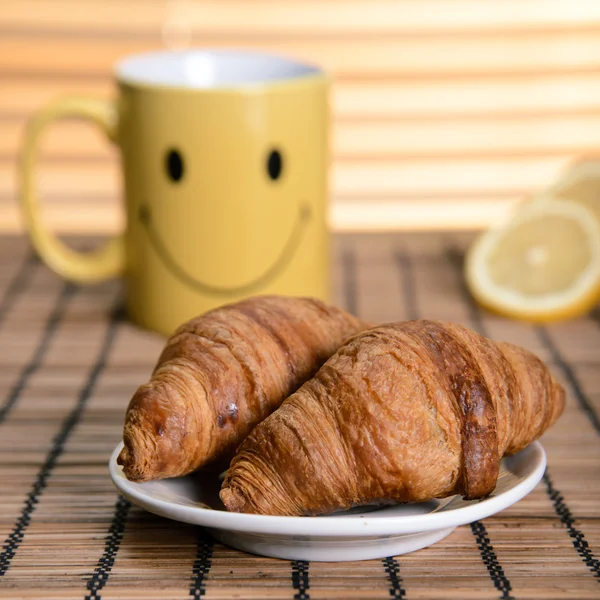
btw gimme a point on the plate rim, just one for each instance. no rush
(338, 526)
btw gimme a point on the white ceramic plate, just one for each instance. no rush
(359, 534)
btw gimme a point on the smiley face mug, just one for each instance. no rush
(224, 156)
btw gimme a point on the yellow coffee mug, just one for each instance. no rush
(224, 156)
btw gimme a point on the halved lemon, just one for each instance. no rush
(580, 183)
(542, 265)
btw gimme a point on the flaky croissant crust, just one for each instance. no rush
(402, 412)
(222, 373)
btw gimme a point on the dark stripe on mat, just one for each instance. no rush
(300, 568)
(569, 374)
(478, 529)
(35, 362)
(111, 547)
(349, 281)
(456, 259)
(407, 283)
(490, 560)
(300, 580)
(566, 518)
(392, 569)
(202, 565)
(560, 506)
(13, 541)
(17, 285)
(200, 569)
(391, 565)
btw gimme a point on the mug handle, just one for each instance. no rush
(109, 260)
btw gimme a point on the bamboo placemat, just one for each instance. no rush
(69, 362)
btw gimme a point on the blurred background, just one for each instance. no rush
(445, 112)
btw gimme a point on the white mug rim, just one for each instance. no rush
(254, 69)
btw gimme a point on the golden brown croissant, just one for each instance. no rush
(402, 412)
(222, 373)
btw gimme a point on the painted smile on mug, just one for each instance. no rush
(175, 170)
(287, 253)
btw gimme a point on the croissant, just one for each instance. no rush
(222, 373)
(404, 412)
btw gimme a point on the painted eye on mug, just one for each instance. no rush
(274, 164)
(174, 164)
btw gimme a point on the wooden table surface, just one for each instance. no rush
(69, 363)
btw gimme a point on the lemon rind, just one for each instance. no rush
(557, 306)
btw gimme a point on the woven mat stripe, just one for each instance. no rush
(391, 566)
(300, 569)
(404, 266)
(18, 283)
(407, 285)
(101, 575)
(98, 579)
(300, 579)
(348, 264)
(50, 329)
(566, 517)
(456, 259)
(561, 508)
(570, 375)
(392, 570)
(478, 529)
(15, 538)
(202, 565)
